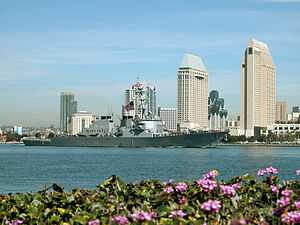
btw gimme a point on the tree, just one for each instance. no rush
(234, 139)
(251, 139)
(262, 138)
(12, 137)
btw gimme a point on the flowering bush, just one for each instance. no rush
(241, 200)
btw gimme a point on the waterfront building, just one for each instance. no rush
(169, 117)
(258, 93)
(217, 114)
(79, 121)
(233, 126)
(192, 94)
(282, 129)
(140, 101)
(281, 111)
(18, 130)
(68, 106)
(294, 117)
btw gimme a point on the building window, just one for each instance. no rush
(250, 51)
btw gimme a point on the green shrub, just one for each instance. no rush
(242, 200)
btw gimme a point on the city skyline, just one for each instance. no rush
(96, 50)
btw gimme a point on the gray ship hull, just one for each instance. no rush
(185, 140)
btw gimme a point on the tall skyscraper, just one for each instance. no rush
(192, 94)
(281, 112)
(140, 101)
(68, 106)
(258, 88)
(217, 114)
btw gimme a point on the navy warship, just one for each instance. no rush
(131, 133)
(138, 127)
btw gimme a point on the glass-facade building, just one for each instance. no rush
(68, 106)
(217, 114)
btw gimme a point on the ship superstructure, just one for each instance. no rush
(140, 101)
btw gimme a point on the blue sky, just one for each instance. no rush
(96, 49)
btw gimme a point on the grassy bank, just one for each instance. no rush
(241, 200)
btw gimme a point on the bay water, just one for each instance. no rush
(30, 169)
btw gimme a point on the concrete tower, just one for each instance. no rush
(192, 94)
(258, 89)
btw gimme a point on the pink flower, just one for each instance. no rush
(211, 174)
(287, 193)
(274, 189)
(94, 222)
(298, 172)
(283, 201)
(271, 170)
(120, 220)
(228, 190)
(207, 185)
(177, 214)
(168, 189)
(181, 187)
(16, 222)
(143, 216)
(291, 217)
(211, 206)
(297, 204)
(261, 172)
(236, 186)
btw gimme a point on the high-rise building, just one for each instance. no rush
(281, 111)
(169, 117)
(140, 101)
(258, 88)
(295, 109)
(217, 114)
(68, 106)
(192, 94)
